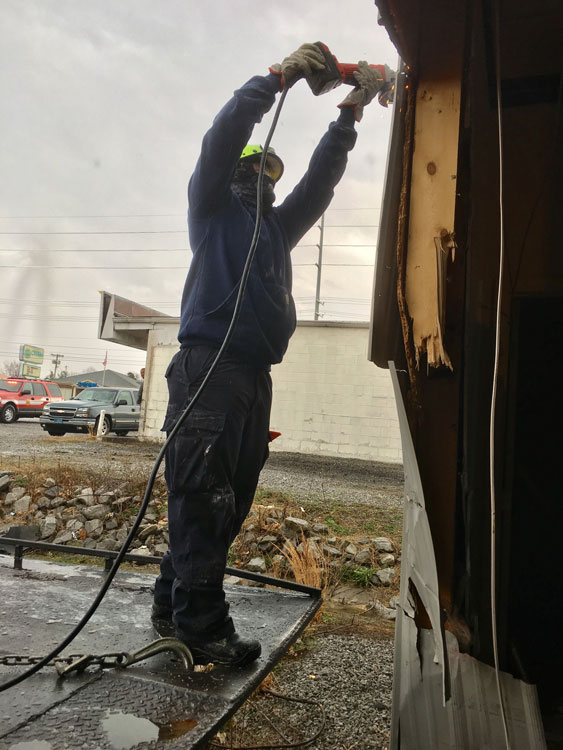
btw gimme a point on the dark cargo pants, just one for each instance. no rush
(212, 470)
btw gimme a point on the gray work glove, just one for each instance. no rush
(299, 64)
(370, 82)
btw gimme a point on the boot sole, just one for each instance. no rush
(164, 627)
(200, 658)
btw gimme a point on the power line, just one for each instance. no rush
(348, 299)
(147, 216)
(93, 355)
(89, 362)
(346, 265)
(326, 301)
(73, 303)
(74, 348)
(163, 268)
(62, 338)
(49, 318)
(97, 216)
(97, 250)
(101, 268)
(117, 231)
(97, 360)
(145, 249)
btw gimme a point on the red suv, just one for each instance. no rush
(20, 397)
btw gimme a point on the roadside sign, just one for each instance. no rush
(30, 371)
(33, 354)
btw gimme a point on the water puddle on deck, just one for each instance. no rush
(124, 730)
(176, 729)
(127, 730)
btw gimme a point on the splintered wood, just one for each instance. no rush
(431, 215)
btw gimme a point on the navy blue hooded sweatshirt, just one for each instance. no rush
(221, 228)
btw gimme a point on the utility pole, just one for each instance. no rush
(56, 361)
(319, 265)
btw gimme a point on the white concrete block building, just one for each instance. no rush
(328, 398)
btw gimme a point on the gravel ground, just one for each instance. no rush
(345, 478)
(302, 476)
(116, 457)
(349, 674)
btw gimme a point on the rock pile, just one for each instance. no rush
(84, 517)
(101, 519)
(267, 535)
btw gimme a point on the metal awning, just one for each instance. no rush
(154, 702)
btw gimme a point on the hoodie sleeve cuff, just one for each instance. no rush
(347, 116)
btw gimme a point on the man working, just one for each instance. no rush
(140, 392)
(213, 463)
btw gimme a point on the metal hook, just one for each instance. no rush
(122, 659)
(163, 644)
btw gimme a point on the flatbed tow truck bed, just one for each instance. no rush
(153, 704)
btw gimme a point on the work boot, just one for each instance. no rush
(161, 617)
(161, 612)
(229, 651)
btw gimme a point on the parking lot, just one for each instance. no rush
(349, 480)
(25, 441)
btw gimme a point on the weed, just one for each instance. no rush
(306, 642)
(358, 575)
(370, 527)
(21, 481)
(336, 527)
(273, 497)
(58, 557)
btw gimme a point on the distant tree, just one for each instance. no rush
(63, 373)
(91, 369)
(132, 375)
(12, 369)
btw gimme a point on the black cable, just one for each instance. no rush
(142, 510)
(287, 744)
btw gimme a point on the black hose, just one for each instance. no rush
(146, 499)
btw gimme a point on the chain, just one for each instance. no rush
(104, 661)
(111, 660)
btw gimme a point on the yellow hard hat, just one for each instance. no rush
(275, 164)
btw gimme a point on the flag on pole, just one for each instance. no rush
(105, 360)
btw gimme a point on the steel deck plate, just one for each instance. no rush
(153, 704)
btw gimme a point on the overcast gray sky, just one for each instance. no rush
(104, 108)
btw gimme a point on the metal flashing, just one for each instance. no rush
(444, 699)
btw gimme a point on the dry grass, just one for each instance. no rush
(69, 478)
(307, 565)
